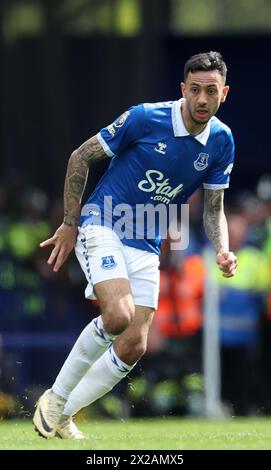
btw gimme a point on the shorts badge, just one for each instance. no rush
(108, 262)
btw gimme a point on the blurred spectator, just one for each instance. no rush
(241, 307)
(264, 193)
(40, 317)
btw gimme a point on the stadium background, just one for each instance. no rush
(69, 68)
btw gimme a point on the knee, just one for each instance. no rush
(117, 317)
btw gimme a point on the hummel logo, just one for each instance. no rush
(161, 148)
(228, 169)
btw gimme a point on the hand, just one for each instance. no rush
(64, 240)
(227, 263)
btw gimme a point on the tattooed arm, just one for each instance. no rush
(64, 238)
(214, 219)
(76, 178)
(216, 229)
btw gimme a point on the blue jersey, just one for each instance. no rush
(156, 161)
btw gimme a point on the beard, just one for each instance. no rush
(200, 121)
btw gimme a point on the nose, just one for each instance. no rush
(202, 98)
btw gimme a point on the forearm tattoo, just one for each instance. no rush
(76, 178)
(214, 219)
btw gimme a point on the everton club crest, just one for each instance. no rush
(108, 262)
(201, 162)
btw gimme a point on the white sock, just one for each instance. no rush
(91, 344)
(107, 371)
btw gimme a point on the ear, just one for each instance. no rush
(182, 84)
(224, 93)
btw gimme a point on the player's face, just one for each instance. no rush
(203, 93)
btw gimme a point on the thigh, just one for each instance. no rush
(100, 254)
(144, 276)
(113, 293)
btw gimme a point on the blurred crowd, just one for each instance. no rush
(42, 312)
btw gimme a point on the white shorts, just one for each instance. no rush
(103, 256)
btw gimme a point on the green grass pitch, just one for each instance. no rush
(157, 434)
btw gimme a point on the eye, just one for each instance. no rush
(194, 90)
(212, 91)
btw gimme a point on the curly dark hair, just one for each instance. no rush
(204, 62)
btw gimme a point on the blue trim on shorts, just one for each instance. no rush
(85, 254)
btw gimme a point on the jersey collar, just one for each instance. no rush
(179, 127)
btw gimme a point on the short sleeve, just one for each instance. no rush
(219, 175)
(124, 131)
